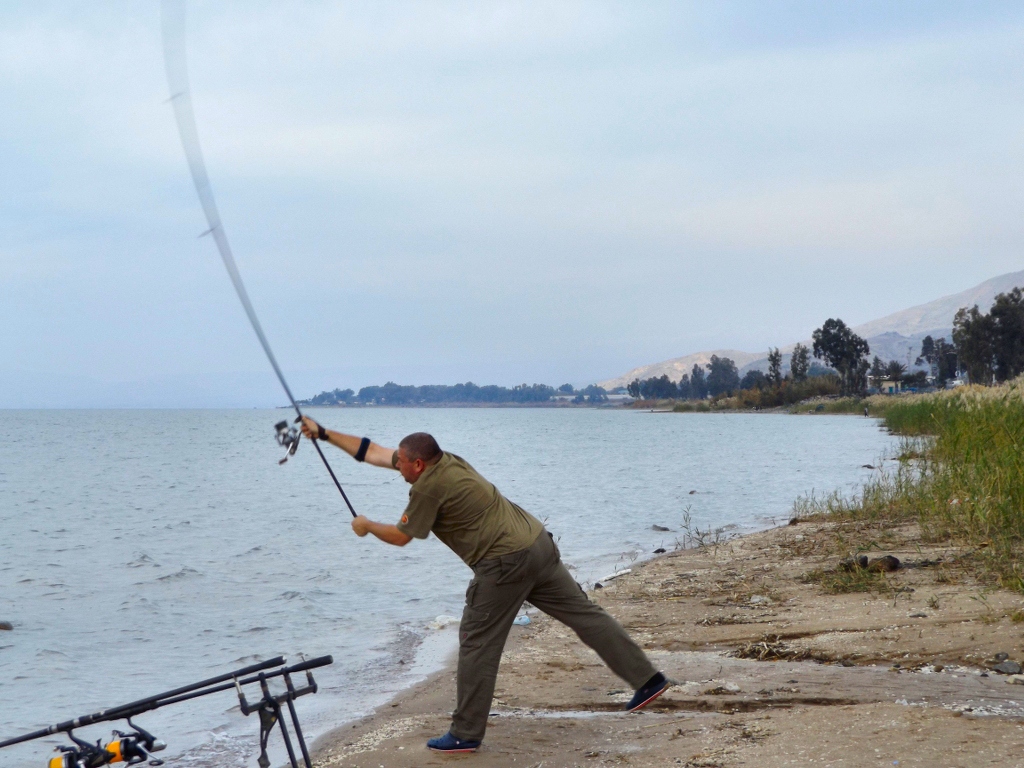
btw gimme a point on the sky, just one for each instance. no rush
(492, 192)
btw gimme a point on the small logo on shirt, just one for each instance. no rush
(405, 519)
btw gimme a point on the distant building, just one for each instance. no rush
(889, 387)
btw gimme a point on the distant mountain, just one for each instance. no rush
(893, 337)
(937, 316)
(676, 367)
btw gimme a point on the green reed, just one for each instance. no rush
(960, 475)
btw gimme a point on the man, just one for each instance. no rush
(513, 559)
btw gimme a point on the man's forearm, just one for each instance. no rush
(377, 455)
(388, 533)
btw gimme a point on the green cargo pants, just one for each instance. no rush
(497, 591)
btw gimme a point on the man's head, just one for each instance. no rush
(416, 452)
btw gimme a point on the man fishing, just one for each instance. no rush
(513, 558)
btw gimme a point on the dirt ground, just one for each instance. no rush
(771, 668)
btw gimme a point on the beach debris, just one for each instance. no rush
(6, 626)
(717, 621)
(884, 564)
(443, 621)
(521, 621)
(1007, 668)
(760, 600)
(867, 466)
(616, 575)
(659, 551)
(721, 690)
(659, 528)
(771, 648)
(926, 563)
(598, 585)
(851, 563)
(692, 492)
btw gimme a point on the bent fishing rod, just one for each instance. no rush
(176, 63)
(138, 745)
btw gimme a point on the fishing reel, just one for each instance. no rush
(81, 755)
(135, 747)
(288, 438)
(128, 748)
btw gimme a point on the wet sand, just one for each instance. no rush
(769, 669)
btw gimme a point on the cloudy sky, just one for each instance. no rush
(496, 192)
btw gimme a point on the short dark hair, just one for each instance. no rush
(420, 445)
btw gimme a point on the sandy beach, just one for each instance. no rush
(770, 667)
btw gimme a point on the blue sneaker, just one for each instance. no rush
(450, 744)
(650, 690)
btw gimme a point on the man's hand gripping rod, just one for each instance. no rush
(173, 15)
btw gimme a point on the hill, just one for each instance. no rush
(893, 337)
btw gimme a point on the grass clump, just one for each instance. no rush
(692, 406)
(840, 581)
(961, 475)
(830, 405)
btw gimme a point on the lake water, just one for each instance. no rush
(142, 550)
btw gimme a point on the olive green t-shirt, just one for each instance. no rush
(466, 512)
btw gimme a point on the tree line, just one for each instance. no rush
(990, 346)
(987, 348)
(468, 393)
(721, 377)
(846, 371)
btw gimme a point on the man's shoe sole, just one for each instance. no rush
(453, 751)
(647, 701)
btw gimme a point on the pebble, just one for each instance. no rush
(6, 626)
(659, 551)
(660, 528)
(1015, 679)
(1007, 668)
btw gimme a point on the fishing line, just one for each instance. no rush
(176, 63)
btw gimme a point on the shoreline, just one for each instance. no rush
(768, 667)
